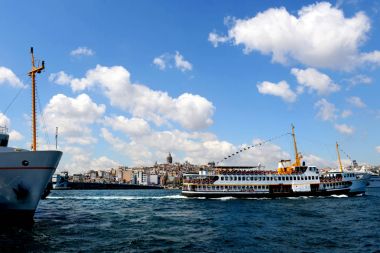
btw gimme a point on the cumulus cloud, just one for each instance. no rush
(195, 147)
(181, 63)
(133, 126)
(280, 89)
(318, 36)
(358, 79)
(160, 62)
(215, 39)
(356, 101)
(314, 80)
(4, 120)
(372, 57)
(377, 149)
(326, 110)
(344, 129)
(8, 77)
(176, 60)
(13, 134)
(190, 111)
(78, 160)
(73, 117)
(346, 113)
(60, 78)
(82, 51)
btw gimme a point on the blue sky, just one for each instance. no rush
(127, 82)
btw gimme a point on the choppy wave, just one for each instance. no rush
(339, 196)
(116, 197)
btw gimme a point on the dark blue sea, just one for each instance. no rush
(164, 221)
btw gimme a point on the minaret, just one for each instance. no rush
(169, 159)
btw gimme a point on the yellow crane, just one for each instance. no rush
(32, 73)
(340, 162)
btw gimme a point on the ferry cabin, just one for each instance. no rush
(252, 181)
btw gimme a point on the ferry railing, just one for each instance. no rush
(3, 130)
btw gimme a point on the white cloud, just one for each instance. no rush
(8, 77)
(4, 121)
(82, 51)
(313, 160)
(377, 149)
(197, 148)
(73, 116)
(15, 136)
(319, 36)
(191, 111)
(315, 81)
(344, 129)
(133, 126)
(160, 62)
(104, 162)
(172, 61)
(372, 57)
(60, 78)
(359, 79)
(79, 160)
(280, 89)
(326, 110)
(346, 113)
(215, 39)
(356, 101)
(181, 63)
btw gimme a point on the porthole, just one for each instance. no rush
(25, 163)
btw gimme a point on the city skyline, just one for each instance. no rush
(206, 81)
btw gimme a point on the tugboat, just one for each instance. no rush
(289, 180)
(24, 174)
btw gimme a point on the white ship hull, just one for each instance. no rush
(24, 176)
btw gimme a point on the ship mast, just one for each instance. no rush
(32, 73)
(340, 162)
(298, 157)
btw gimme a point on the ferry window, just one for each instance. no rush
(298, 178)
(235, 178)
(255, 187)
(222, 178)
(243, 178)
(259, 187)
(239, 178)
(271, 178)
(312, 177)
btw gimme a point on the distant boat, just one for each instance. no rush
(374, 181)
(289, 180)
(24, 174)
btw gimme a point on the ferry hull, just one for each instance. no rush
(23, 179)
(345, 191)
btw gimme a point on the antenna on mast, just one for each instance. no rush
(298, 156)
(56, 138)
(32, 73)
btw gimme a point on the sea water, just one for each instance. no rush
(165, 221)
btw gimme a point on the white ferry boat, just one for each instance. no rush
(24, 174)
(289, 180)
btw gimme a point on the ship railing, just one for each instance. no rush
(3, 130)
